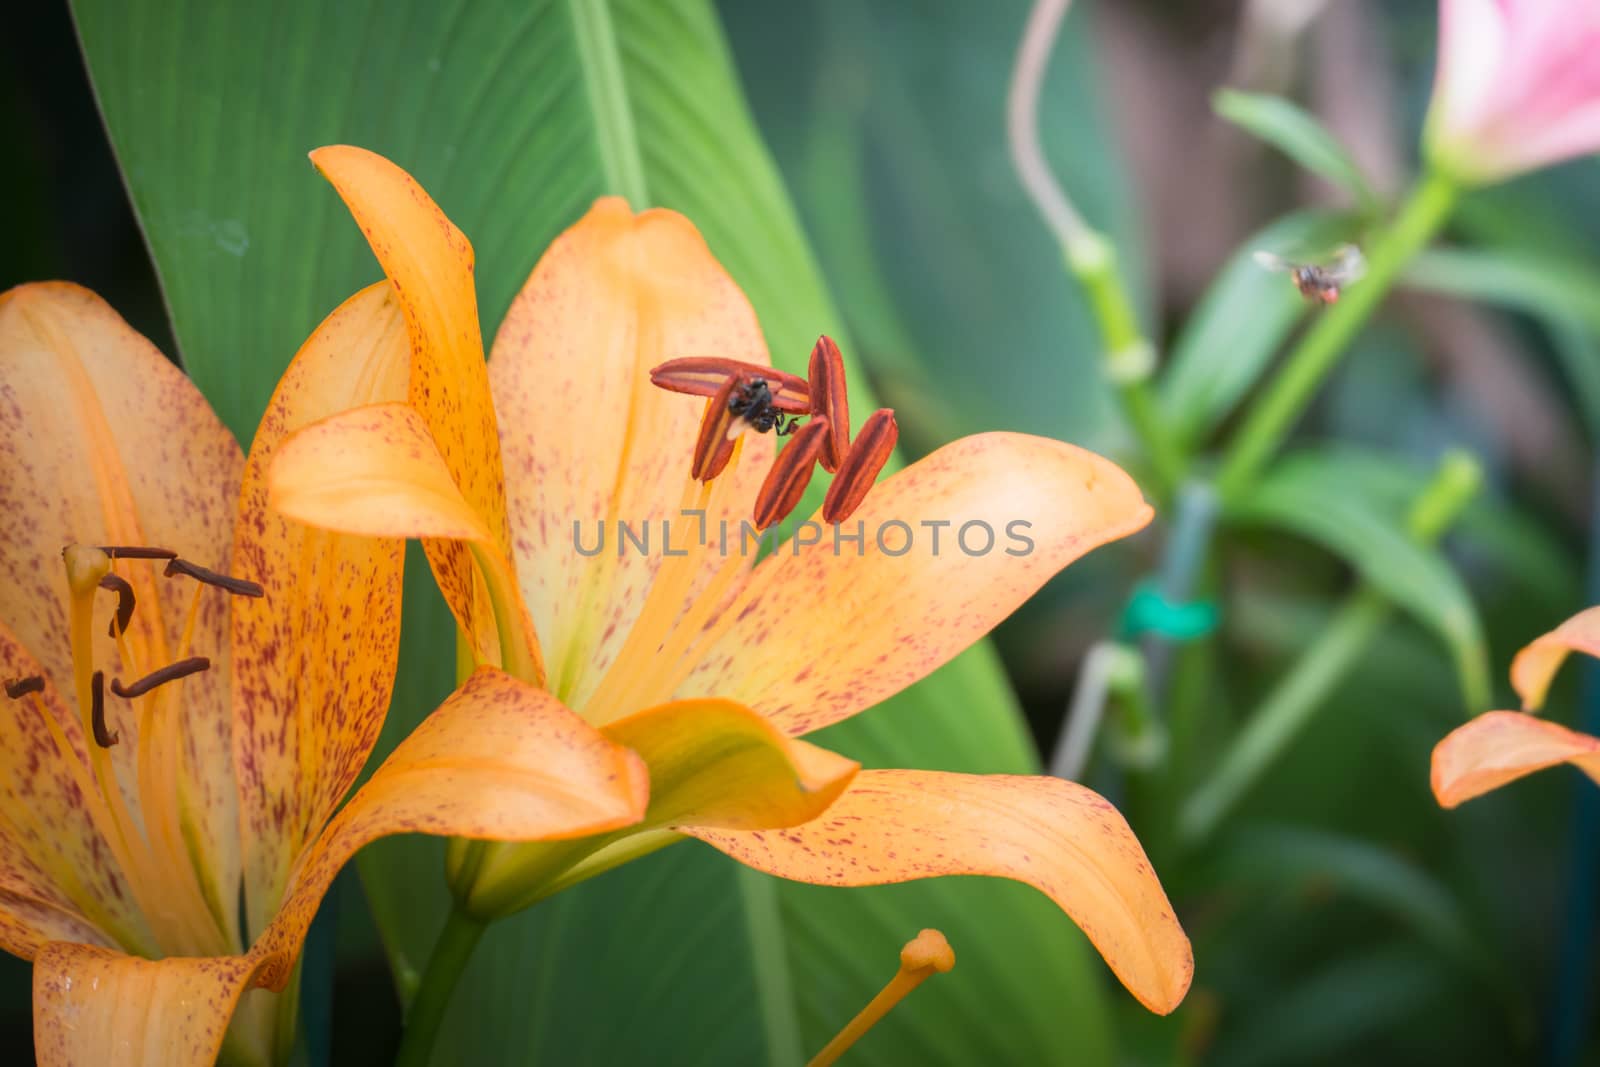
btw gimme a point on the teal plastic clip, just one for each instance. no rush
(1148, 611)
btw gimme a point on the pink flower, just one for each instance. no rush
(1518, 86)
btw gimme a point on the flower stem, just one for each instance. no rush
(1295, 700)
(451, 952)
(1129, 357)
(1319, 350)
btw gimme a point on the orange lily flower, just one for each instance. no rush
(710, 669)
(241, 707)
(1502, 746)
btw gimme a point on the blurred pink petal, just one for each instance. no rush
(1517, 88)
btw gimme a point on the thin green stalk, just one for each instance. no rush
(1285, 712)
(1286, 397)
(451, 952)
(1129, 357)
(1297, 697)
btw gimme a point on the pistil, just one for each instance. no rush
(925, 955)
(149, 843)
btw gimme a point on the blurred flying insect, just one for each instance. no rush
(1321, 282)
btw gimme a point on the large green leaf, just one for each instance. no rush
(1563, 291)
(888, 119)
(515, 116)
(1298, 134)
(1315, 496)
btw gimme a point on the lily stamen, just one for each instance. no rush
(152, 853)
(786, 483)
(829, 398)
(21, 687)
(125, 600)
(170, 673)
(97, 711)
(137, 552)
(705, 375)
(861, 465)
(749, 396)
(718, 431)
(237, 586)
(924, 955)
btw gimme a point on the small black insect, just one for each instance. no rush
(752, 402)
(1319, 282)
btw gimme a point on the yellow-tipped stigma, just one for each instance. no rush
(922, 956)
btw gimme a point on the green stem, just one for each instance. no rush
(450, 955)
(1295, 700)
(1129, 357)
(1319, 350)
(1284, 713)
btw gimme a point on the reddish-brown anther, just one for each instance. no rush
(787, 480)
(828, 398)
(861, 465)
(714, 447)
(103, 736)
(706, 375)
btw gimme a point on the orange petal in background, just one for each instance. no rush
(715, 763)
(430, 263)
(104, 441)
(375, 471)
(1063, 839)
(1502, 746)
(588, 440)
(1535, 666)
(94, 1006)
(821, 633)
(58, 881)
(314, 659)
(711, 763)
(499, 759)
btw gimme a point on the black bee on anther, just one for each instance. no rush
(752, 402)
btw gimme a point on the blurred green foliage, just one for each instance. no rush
(1338, 915)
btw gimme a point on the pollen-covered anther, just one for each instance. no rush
(237, 586)
(170, 673)
(97, 711)
(706, 375)
(125, 601)
(786, 483)
(18, 688)
(861, 465)
(829, 399)
(714, 447)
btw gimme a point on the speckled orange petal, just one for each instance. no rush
(55, 872)
(823, 632)
(430, 263)
(1534, 668)
(94, 1006)
(1502, 746)
(314, 658)
(1055, 835)
(588, 439)
(375, 471)
(501, 760)
(104, 441)
(714, 763)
